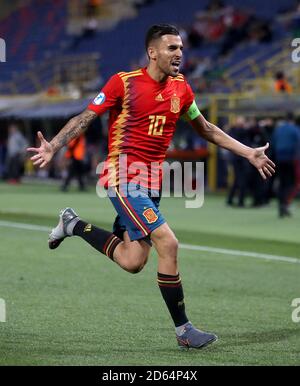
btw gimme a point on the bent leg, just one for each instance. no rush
(131, 255)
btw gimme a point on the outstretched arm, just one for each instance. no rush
(256, 156)
(75, 126)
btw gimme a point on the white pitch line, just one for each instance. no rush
(234, 252)
(203, 248)
(29, 227)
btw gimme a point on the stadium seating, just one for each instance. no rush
(41, 31)
(42, 34)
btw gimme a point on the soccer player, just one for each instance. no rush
(144, 107)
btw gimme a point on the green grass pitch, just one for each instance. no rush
(73, 306)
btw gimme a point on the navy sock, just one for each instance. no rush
(102, 240)
(171, 289)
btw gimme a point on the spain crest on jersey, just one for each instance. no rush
(175, 104)
(150, 215)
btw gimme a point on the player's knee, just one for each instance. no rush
(134, 264)
(135, 268)
(166, 239)
(172, 244)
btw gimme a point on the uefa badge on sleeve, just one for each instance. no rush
(100, 98)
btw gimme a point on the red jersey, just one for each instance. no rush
(142, 121)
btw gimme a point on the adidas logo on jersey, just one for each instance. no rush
(159, 97)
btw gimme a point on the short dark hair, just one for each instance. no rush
(158, 30)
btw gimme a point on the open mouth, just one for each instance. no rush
(176, 65)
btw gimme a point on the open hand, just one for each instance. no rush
(263, 164)
(44, 153)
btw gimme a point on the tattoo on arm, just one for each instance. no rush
(75, 126)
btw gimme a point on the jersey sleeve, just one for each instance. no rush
(111, 93)
(189, 99)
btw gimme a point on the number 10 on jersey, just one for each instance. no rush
(156, 125)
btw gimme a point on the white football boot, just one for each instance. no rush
(67, 220)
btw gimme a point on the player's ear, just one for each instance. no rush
(152, 52)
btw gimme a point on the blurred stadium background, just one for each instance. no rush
(238, 58)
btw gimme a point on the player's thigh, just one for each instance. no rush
(138, 249)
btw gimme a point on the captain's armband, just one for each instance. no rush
(192, 113)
